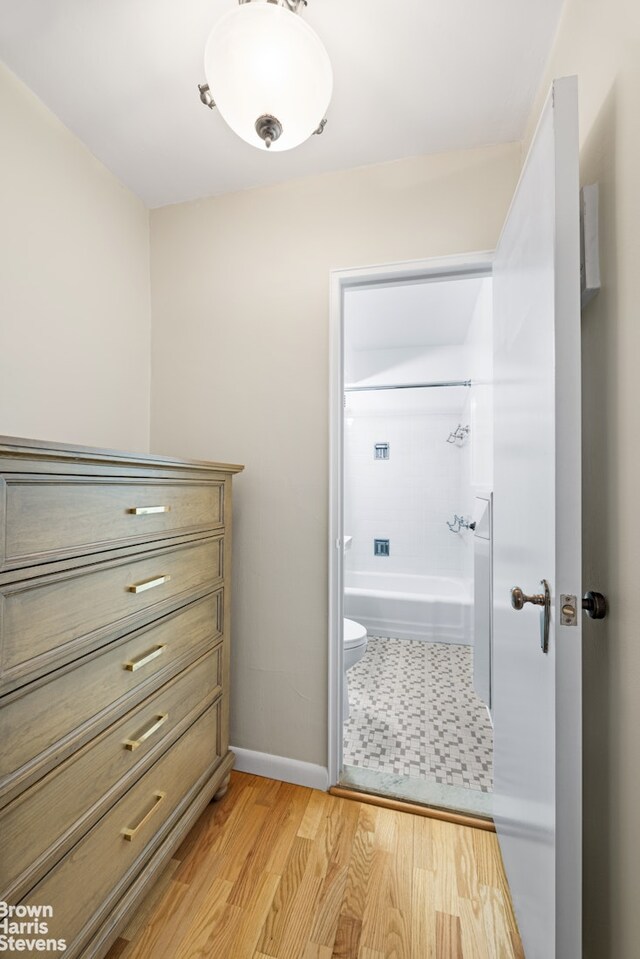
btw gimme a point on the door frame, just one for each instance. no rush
(464, 264)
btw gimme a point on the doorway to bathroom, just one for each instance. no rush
(536, 662)
(412, 482)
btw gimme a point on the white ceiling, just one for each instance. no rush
(426, 314)
(410, 77)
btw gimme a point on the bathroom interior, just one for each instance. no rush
(418, 464)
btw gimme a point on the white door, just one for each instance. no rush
(537, 516)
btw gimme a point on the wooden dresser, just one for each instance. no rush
(114, 676)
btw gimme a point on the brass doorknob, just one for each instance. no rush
(518, 598)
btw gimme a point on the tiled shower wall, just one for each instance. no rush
(408, 498)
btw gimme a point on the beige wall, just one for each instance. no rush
(240, 372)
(74, 286)
(599, 40)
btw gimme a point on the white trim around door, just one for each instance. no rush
(466, 264)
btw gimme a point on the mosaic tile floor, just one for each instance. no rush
(414, 712)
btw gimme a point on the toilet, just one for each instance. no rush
(355, 646)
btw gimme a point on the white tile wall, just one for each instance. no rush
(408, 498)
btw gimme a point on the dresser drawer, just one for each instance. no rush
(100, 867)
(52, 812)
(53, 619)
(49, 518)
(41, 725)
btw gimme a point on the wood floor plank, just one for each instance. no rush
(333, 826)
(496, 926)
(254, 914)
(222, 933)
(313, 815)
(224, 858)
(325, 923)
(296, 803)
(423, 857)
(158, 937)
(386, 829)
(448, 937)
(212, 914)
(472, 930)
(315, 951)
(276, 871)
(491, 873)
(298, 928)
(212, 819)
(397, 942)
(271, 847)
(368, 817)
(359, 867)
(423, 915)
(268, 790)
(279, 914)
(503, 886)
(151, 901)
(224, 824)
(347, 944)
(230, 860)
(307, 899)
(348, 813)
(487, 857)
(467, 882)
(397, 935)
(446, 887)
(516, 943)
(199, 832)
(187, 903)
(376, 901)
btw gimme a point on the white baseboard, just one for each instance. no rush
(279, 767)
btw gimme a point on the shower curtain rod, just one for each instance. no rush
(406, 386)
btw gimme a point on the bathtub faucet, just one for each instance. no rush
(460, 523)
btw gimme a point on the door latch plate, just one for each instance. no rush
(568, 610)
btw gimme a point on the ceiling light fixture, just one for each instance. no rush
(268, 74)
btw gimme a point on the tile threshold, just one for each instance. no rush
(456, 799)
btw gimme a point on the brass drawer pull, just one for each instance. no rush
(134, 664)
(160, 720)
(146, 510)
(130, 834)
(148, 584)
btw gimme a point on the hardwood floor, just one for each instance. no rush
(275, 871)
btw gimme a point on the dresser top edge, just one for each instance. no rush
(19, 447)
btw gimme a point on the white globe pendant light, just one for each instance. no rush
(268, 74)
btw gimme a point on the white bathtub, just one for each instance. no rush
(435, 609)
